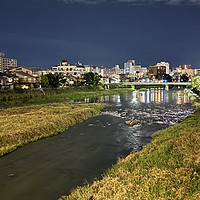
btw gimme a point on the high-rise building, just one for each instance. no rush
(137, 71)
(6, 63)
(164, 64)
(129, 67)
(158, 71)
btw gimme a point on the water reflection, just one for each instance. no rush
(159, 96)
(181, 98)
(86, 150)
(156, 108)
(156, 95)
(153, 95)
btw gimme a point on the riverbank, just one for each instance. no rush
(166, 168)
(47, 115)
(22, 125)
(27, 97)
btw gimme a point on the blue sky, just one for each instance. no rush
(41, 33)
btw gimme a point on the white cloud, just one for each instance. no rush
(136, 2)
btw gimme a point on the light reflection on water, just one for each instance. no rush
(153, 95)
(55, 165)
(155, 108)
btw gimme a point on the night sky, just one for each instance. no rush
(40, 33)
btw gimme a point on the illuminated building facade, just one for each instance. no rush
(6, 63)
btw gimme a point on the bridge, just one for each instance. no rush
(150, 84)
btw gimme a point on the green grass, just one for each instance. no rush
(166, 168)
(23, 97)
(143, 89)
(45, 115)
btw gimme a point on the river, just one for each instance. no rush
(50, 168)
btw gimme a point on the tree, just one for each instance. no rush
(167, 78)
(44, 81)
(196, 82)
(91, 78)
(184, 78)
(53, 80)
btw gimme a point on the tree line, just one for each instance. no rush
(56, 80)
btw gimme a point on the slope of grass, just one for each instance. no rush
(21, 125)
(166, 168)
(44, 115)
(12, 98)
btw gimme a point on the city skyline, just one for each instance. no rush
(100, 32)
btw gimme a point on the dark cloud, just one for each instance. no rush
(137, 2)
(83, 1)
(169, 2)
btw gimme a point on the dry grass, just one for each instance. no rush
(166, 168)
(21, 125)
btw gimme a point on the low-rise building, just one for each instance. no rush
(197, 72)
(36, 72)
(25, 78)
(7, 81)
(93, 69)
(185, 66)
(111, 72)
(184, 70)
(33, 71)
(22, 69)
(65, 68)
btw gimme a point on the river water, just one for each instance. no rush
(50, 168)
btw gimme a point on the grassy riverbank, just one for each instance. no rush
(22, 125)
(166, 168)
(38, 118)
(21, 97)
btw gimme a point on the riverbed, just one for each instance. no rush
(50, 168)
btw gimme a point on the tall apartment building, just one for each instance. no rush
(158, 71)
(129, 67)
(164, 64)
(137, 71)
(6, 63)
